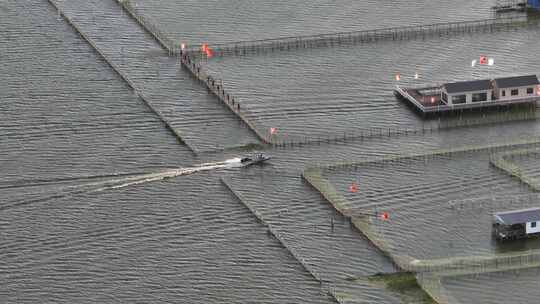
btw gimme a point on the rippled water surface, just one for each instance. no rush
(303, 93)
(217, 21)
(103, 200)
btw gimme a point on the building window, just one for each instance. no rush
(457, 99)
(514, 92)
(503, 93)
(533, 224)
(530, 91)
(479, 97)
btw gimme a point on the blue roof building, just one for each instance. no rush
(535, 4)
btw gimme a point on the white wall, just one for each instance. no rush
(522, 92)
(469, 96)
(529, 229)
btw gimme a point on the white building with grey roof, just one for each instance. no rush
(458, 96)
(465, 92)
(517, 223)
(515, 87)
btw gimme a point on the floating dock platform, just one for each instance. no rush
(424, 99)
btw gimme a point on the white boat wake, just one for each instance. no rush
(112, 181)
(171, 173)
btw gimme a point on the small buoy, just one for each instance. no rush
(384, 216)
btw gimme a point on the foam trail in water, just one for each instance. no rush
(233, 160)
(150, 177)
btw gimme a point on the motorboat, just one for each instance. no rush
(253, 159)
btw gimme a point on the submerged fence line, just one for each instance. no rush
(366, 36)
(444, 266)
(152, 29)
(124, 77)
(189, 59)
(499, 161)
(278, 235)
(457, 266)
(332, 39)
(390, 159)
(492, 203)
(216, 87)
(380, 132)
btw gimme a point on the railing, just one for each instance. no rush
(499, 160)
(366, 36)
(151, 28)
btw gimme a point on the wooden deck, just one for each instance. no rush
(424, 104)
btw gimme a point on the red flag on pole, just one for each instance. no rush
(209, 52)
(483, 59)
(204, 47)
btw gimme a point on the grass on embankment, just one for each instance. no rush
(405, 285)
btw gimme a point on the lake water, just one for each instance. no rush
(83, 222)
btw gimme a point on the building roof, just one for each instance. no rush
(467, 86)
(519, 81)
(518, 216)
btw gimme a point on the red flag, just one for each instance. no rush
(204, 47)
(483, 60)
(353, 188)
(384, 216)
